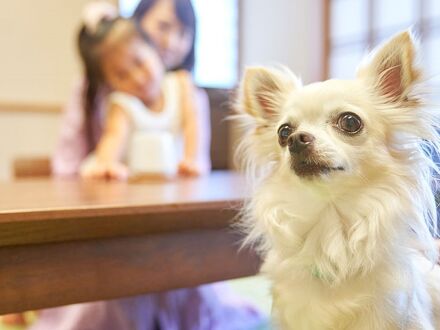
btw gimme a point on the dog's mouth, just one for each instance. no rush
(310, 169)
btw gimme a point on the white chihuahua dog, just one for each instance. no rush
(342, 205)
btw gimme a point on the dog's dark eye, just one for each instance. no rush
(284, 132)
(349, 123)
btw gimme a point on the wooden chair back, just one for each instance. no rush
(25, 167)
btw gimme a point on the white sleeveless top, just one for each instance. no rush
(143, 119)
(155, 144)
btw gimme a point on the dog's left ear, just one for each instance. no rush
(264, 90)
(391, 68)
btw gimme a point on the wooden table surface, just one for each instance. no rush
(68, 241)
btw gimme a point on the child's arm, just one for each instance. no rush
(188, 165)
(109, 150)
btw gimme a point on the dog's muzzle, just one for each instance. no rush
(305, 161)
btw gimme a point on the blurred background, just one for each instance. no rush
(316, 38)
(39, 62)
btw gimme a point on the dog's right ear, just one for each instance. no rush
(391, 68)
(264, 90)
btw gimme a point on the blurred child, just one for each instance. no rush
(171, 26)
(144, 98)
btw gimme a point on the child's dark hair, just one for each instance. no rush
(185, 13)
(90, 49)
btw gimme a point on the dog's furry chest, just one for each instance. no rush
(307, 303)
(374, 301)
(337, 266)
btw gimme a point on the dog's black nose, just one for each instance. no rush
(300, 141)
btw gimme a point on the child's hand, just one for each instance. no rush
(105, 171)
(188, 168)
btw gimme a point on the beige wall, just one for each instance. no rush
(38, 65)
(38, 58)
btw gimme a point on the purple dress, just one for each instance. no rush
(206, 307)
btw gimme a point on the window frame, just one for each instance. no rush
(425, 28)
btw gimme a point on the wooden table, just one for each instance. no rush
(65, 242)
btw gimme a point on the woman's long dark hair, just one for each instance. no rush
(185, 13)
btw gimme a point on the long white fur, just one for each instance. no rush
(349, 250)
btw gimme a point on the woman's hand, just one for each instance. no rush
(105, 171)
